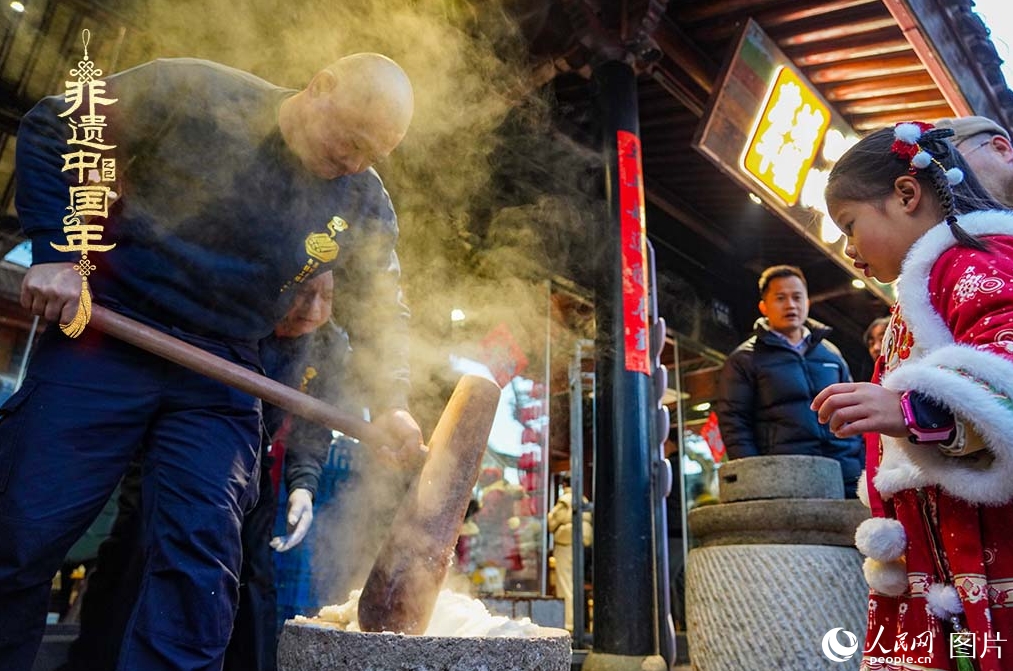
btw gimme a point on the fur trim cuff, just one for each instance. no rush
(960, 378)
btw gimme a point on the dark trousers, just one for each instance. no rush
(254, 643)
(112, 584)
(112, 587)
(66, 439)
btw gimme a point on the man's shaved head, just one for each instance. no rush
(351, 114)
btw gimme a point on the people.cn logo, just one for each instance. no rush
(832, 648)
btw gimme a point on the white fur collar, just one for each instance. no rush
(913, 284)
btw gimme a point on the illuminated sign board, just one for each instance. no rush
(769, 129)
(786, 137)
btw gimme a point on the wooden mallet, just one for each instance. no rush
(192, 357)
(400, 592)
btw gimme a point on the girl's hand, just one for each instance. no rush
(854, 408)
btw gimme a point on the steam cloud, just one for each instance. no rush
(488, 195)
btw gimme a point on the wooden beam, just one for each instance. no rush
(789, 11)
(685, 53)
(794, 12)
(866, 122)
(834, 31)
(875, 43)
(909, 16)
(914, 99)
(677, 83)
(876, 86)
(819, 26)
(885, 66)
(704, 11)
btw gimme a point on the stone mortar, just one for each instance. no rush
(309, 646)
(778, 521)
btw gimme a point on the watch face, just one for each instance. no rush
(929, 415)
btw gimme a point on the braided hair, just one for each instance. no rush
(868, 171)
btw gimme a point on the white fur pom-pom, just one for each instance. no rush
(881, 538)
(942, 601)
(921, 160)
(863, 490)
(907, 132)
(889, 578)
(954, 176)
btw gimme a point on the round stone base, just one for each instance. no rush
(770, 606)
(306, 646)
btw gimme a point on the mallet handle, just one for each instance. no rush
(234, 375)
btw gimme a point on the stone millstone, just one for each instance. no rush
(306, 646)
(781, 476)
(800, 522)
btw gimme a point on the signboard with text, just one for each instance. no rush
(787, 136)
(769, 129)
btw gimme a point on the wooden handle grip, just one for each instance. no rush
(234, 375)
(400, 592)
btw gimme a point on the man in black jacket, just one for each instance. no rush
(306, 351)
(769, 381)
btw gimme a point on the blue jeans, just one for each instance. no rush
(66, 439)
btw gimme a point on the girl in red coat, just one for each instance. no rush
(940, 476)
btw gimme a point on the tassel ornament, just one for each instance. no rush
(83, 314)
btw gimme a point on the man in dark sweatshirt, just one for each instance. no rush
(769, 381)
(231, 193)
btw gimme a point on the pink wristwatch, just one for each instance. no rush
(925, 421)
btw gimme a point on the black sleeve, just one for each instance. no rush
(43, 189)
(308, 443)
(306, 451)
(736, 407)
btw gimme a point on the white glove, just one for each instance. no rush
(300, 517)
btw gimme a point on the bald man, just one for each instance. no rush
(986, 147)
(232, 193)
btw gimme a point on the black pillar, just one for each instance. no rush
(624, 588)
